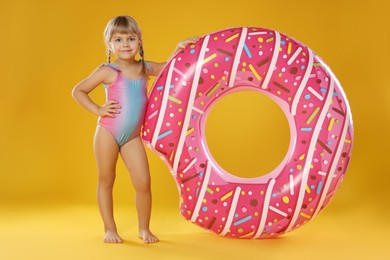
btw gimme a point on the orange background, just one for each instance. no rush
(46, 155)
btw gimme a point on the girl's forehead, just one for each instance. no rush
(124, 34)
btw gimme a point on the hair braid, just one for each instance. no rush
(141, 53)
(109, 56)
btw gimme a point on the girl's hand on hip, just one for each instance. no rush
(109, 109)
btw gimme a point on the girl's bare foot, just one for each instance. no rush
(112, 237)
(147, 237)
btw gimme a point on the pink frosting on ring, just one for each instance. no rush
(321, 131)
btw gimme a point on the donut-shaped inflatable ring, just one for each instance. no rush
(303, 86)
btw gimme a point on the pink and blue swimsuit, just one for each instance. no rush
(132, 96)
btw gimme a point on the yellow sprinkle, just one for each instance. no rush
(289, 48)
(312, 116)
(177, 101)
(213, 89)
(209, 58)
(302, 157)
(286, 199)
(232, 37)
(254, 72)
(307, 188)
(305, 215)
(190, 131)
(331, 124)
(247, 235)
(227, 196)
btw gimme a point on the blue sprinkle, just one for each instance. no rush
(239, 222)
(307, 96)
(204, 209)
(236, 215)
(227, 59)
(194, 116)
(164, 134)
(201, 174)
(312, 187)
(303, 67)
(323, 90)
(274, 195)
(247, 51)
(291, 169)
(282, 42)
(335, 94)
(329, 142)
(319, 187)
(192, 51)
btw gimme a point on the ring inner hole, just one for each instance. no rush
(247, 134)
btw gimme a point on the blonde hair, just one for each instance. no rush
(124, 24)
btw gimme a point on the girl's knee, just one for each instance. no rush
(106, 180)
(142, 185)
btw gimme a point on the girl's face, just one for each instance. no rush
(125, 45)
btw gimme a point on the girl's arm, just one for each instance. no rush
(155, 68)
(82, 89)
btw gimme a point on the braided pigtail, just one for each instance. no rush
(142, 54)
(109, 56)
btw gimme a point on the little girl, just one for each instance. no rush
(120, 120)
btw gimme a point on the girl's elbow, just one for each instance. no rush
(74, 92)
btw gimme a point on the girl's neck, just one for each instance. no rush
(125, 63)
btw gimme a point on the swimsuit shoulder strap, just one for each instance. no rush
(111, 66)
(147, 66)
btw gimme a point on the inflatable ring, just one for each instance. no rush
(303, 86)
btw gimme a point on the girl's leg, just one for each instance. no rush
(106, 154)
(134, 156)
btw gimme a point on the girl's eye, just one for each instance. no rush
(118, 40)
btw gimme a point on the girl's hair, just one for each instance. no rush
(124, 24)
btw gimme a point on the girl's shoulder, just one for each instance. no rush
(109, 67)
(105, 73)
(154, 68)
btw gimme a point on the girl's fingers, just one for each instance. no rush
(112, 102)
